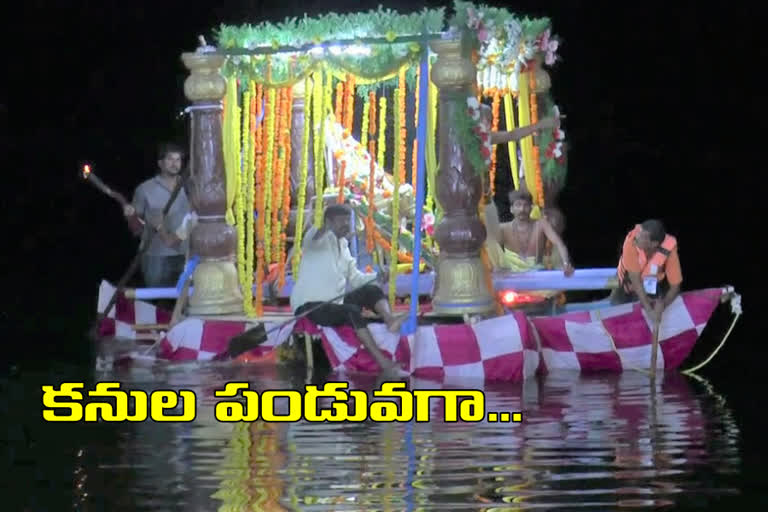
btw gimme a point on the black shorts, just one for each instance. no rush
(348, 313)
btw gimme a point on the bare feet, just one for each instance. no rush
(396, 322)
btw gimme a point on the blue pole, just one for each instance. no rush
(409, 327)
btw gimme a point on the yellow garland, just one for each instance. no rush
(308, 105)
(248, 191)
(509, 116)
(325, 111)
(382, 130)
(240, 199)
(364, 129)
(318, 92)
(393, 256)
(231, 142)
(432, 204)
(269, 119)
(524, 111)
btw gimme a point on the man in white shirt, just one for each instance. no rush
(326, 268)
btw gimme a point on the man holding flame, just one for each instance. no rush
(164, 260)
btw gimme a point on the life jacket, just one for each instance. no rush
(653, 268)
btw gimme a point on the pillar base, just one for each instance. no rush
(461, 288)
(216, 289)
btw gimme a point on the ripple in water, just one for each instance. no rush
(585, 443)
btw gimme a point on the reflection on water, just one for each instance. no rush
(594, 443)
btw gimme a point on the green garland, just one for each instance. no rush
(469, 140)
(552, 171)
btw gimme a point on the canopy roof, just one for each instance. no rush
(374, 45)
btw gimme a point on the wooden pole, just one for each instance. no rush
(655, 349)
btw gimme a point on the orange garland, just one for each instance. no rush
(286, 169)
(277, 177)
(534, 120)
(494, 128)
(349, 103)
(402, 255)
(259, 200)
(415, 147)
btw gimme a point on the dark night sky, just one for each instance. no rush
(661, 101)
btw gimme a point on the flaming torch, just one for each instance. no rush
(134, 221)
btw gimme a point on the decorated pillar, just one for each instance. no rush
(460, 286)
(216, 286)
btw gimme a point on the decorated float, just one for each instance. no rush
(391, 114)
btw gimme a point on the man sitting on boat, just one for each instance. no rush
(649, 268)
(326, 268)
(519, 245)
(164, 260)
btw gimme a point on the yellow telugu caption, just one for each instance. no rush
(248, 405)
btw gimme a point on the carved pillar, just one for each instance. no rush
(460, 281)
(298, 118)
(216, 286)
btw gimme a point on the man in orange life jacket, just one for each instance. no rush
(649, 268)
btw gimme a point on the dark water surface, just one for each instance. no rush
(585, 443)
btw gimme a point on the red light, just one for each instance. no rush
(508, 297)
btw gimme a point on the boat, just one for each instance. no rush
(278, 132)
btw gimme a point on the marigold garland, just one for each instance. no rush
(400, 124)
(364, 123)
(535, 119)
(286, 185)
(509, 117)
(371, 189)
(248, 192)
(277, 178)
(382, 130)
(260, 202)
(415, 145)
(495, 107)
(317, 120)
(269, 136)
(431, 153)
(308, 106)
(320, 175)
(240, 198)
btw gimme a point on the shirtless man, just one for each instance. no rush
(525, 236)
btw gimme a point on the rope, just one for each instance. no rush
(690, 371)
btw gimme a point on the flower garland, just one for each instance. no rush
(241, 182)
(472, 134)
(248, 191)
(297, 243)
(286, 185)
(365, 121)
(231, 143)
(318, 101)
(382, 130)
(431, 204)
(349, 103)
(393, 251)
(496, 105)
(534, 120)
(400, 130)
(415, 147)
(509, 117)
(277, 178)
(258, 190)
(269, 137)
(371, 131)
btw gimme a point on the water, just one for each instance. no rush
(585, 443)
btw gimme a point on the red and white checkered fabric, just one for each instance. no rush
(619, 338)
(126, 313)
(507, 348)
